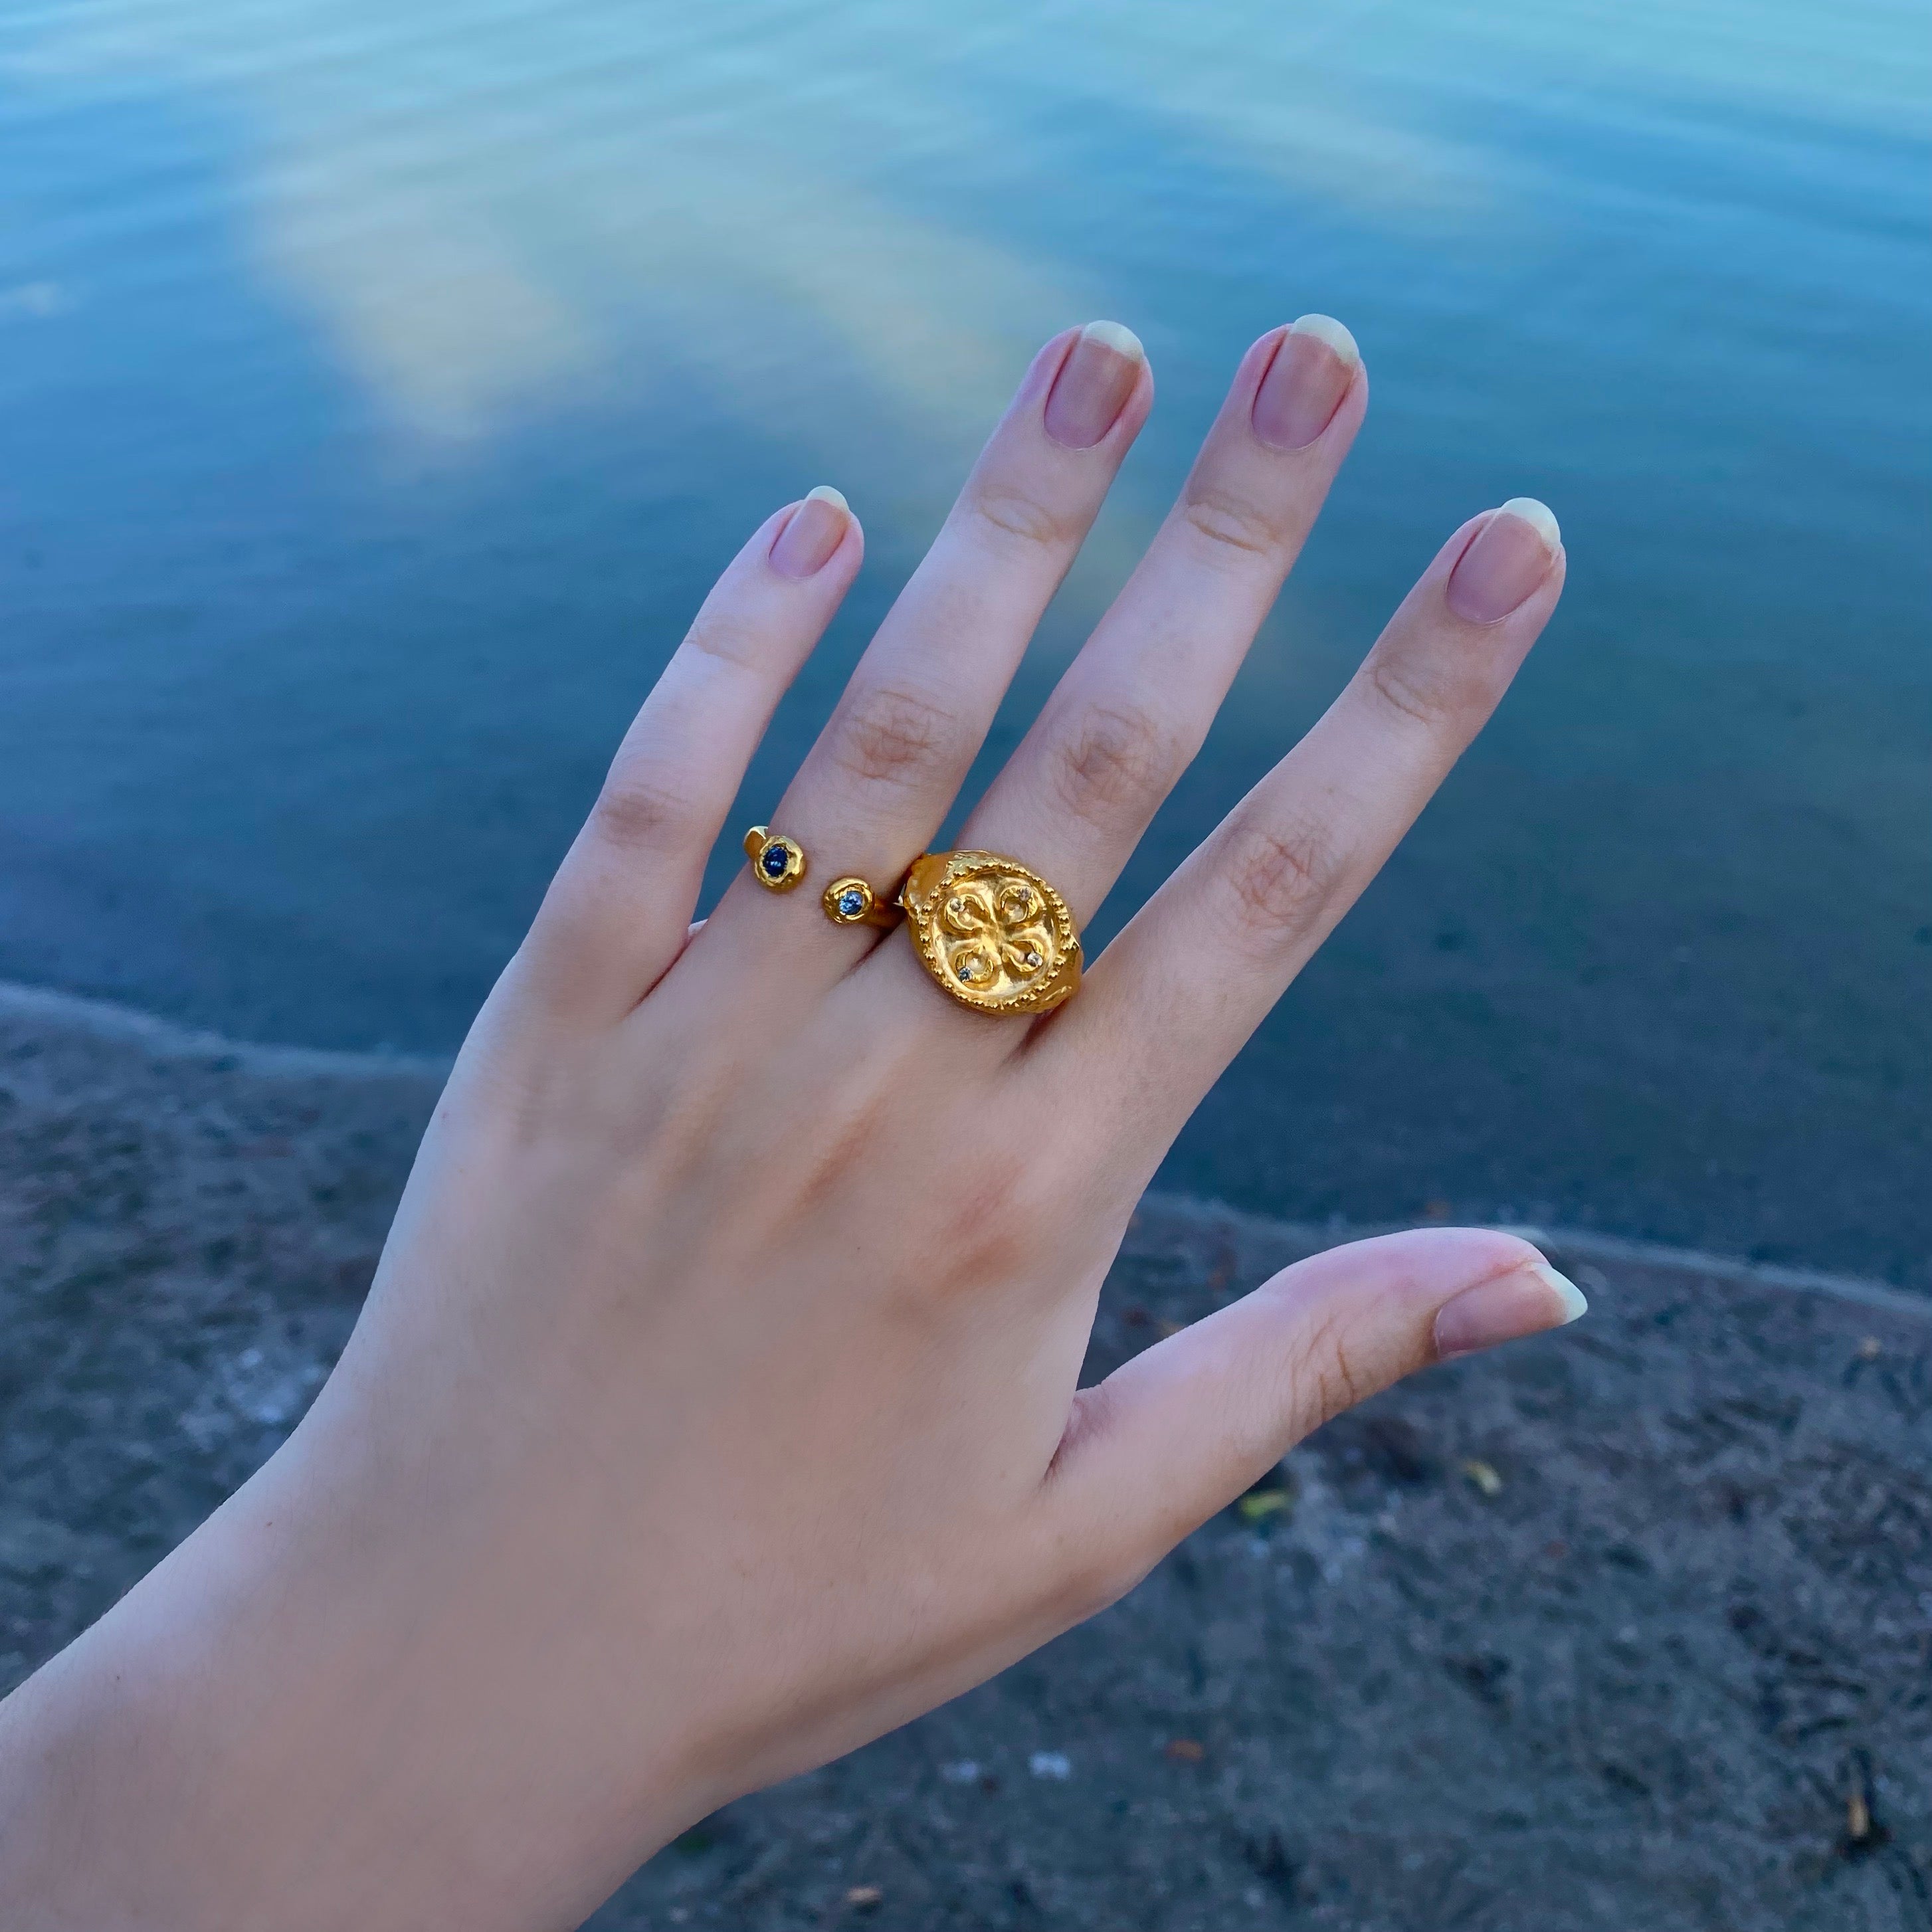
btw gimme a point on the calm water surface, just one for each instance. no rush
(381, 386)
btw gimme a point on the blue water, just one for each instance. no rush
(380, 386)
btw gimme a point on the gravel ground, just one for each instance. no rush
(1627, 1628)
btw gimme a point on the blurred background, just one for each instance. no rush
(381, 387)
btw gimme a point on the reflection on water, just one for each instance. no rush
(382, 386)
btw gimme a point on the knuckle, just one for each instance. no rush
(1120, 756)
(1234, 527)
(891, 734)
(633, 814)
(1280, 876)
(1016, 513)
(1338, 1385)
(1325, 1377)
(726, 640)
(1434, 695)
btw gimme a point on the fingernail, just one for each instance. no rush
(1510, 556)
(811, 533)
(1093, 384)
(1305, 383)
(1525, 1301)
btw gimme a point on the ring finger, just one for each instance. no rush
(1135, 706)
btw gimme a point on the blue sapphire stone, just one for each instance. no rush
(851, 902)
(774, 862)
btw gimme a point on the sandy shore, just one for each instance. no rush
(1629, 1628)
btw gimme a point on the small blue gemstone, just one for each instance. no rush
(774, 862)
(851, 903)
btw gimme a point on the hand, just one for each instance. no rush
(715, 1409)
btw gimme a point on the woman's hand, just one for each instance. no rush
(715, 1407)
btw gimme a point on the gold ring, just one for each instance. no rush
(777, 863)
(992, 932)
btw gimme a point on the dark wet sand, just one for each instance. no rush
(1621, 1629)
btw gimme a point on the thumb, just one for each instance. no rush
(1178, 1432)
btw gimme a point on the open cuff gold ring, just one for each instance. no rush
(990, 931)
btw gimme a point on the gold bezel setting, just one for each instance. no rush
(851, 901)
(777, 863)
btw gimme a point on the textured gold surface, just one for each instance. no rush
(993, 934)
(760, 840)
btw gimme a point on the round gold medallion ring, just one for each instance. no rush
(991, 932)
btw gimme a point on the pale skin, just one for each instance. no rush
(715, 1408)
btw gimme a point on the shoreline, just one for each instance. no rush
(170, 1040)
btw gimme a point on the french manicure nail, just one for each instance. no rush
(1305, 383)
(811, 533)
(1525, 1301)
(1510, 555)
(1093, 384)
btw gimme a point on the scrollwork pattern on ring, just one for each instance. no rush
(992, 932)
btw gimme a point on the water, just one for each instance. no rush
(380, 387)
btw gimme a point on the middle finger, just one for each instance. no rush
(1126, 719)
